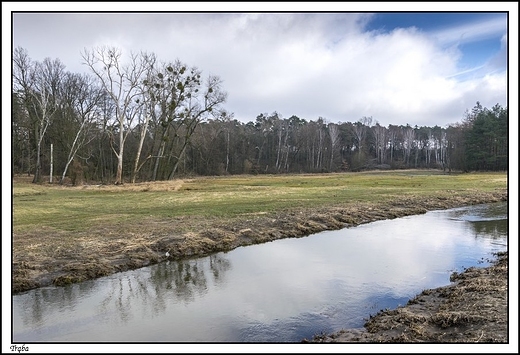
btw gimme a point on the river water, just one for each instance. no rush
(281, 291)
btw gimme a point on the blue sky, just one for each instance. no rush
(478, 36)
(421, 68)
(475, 51)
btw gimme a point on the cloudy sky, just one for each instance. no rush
(400, 68)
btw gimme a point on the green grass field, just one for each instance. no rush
(78, 208)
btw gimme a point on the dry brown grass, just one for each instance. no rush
(156, 186)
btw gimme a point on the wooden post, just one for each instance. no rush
(50, 179)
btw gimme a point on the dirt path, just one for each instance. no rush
(50, 257)
(473, 309)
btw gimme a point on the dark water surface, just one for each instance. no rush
(281, 291)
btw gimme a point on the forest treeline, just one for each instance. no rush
(138, 119)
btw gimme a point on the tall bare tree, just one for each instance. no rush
(394, 132)
(122, 81)
(409, 138)
(82, 98)
(198, 108)
(334, 141)
(144, 115)
(23, 68)
(179, 100)
(227, 119)
(39, 85)
(360, 130)
(320, 142)
(380, 140)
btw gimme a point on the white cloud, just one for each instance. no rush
(499, 61)
(305, 64)
(471, 32)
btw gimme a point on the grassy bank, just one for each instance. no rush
(78, 208)
(64, 234)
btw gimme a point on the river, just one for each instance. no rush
(281, 291)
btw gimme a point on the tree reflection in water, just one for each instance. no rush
(494, 229)
(45, 300)
(151, 288)
(219, 265)
(185, 279)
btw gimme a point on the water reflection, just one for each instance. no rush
(485, 229)
(486, 221)
(183, 281)
(119, 299)
(487, 212)
(280, 291)
(42, 301)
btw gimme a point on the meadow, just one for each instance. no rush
(78, 208)
(64, 234)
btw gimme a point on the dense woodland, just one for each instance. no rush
(138, 119)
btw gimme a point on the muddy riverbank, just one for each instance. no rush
(472, 309)
(52, 257)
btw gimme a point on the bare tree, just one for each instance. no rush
(360, 130)
(144, 119)
(281, 127)
(394, 134)
(197, 109)
(429, 146)
(82, 97)
(179, 101)
(227, 120)
(409, 137)
(146, 111)
(38, 84)
(380, 137)
(334, 141)
(23, 68)
(122, 83)
(321, 136)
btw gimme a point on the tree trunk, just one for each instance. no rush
(37, 169)
(140, 148)
(227, 152)
(72, 152)
(172, 174)
(119, 173)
